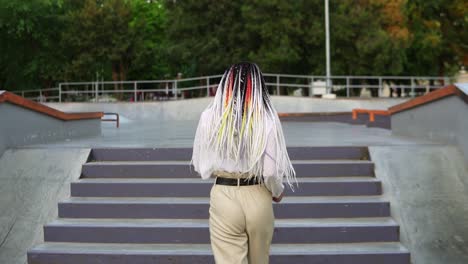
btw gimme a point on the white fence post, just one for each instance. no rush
(347, 86)
(380, 87)
(96, 91)
(207, 86)
(174, 89)
(277, 84)
(60, 92)
(135, 97)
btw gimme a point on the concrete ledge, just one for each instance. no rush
(23, 127)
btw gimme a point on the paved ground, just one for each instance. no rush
(427, 187)
(32, 181)
(426, 181)
(181, 133)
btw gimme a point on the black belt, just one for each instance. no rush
(235, 182)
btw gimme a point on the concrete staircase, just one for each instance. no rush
(137, 206)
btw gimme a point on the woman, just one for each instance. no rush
(239, 140)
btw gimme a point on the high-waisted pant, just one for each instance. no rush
(241, 224)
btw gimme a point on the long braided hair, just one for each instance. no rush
(238, 124)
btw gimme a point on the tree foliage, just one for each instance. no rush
(43, 42)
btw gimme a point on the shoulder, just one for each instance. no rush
(205, 114)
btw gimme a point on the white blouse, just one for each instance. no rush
(272, 181)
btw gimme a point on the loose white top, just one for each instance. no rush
(272, 181)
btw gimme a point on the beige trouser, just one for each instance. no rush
(241, 223)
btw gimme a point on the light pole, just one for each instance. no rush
(327, 47)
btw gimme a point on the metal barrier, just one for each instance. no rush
(117, 118)
(277, 84)
(40, 95)
(370, 112)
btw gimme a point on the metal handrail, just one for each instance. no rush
(176, 88)
(370, 112)
(117, 118)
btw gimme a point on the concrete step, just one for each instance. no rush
(193, 207)
(79, 253)
(196, 231)
(190, 187)
(185, 154)
(183, 169)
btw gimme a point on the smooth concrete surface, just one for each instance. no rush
(3, 145)
(427, 187)
(444, 120)
(425, 180)
(154, 134)
(463, 87)
(31, 184)
(190, 109)
(20, 126)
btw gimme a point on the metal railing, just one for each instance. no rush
(105, 118)
(277, 84)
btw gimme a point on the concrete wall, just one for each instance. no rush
(443, 120)
(427, 187)
(190, 109)
(32, 182)
(2, 142)
(20, 126)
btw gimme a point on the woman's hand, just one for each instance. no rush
(279, 198)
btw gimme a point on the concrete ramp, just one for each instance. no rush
(26, 122)
(428, 190)
(32, 181)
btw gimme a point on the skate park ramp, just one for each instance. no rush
(25, 122)
(425, 179)
(32, 182)
(440, 115)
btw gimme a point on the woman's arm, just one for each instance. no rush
(273, 179)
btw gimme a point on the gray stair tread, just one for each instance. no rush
(194, 223)
(200, 181)
(205, 249)
(205, 200)
(177, 162)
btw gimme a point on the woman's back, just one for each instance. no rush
(240, 142)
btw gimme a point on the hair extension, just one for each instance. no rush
(239, 122)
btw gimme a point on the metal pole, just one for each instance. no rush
(380, 87)
(60, 92)
(96, 90)
(347, 86)
(277, 84)
(207, 86)
(174, 89)
(412, 87)
(327, 44)
(135, 92)
(312, 87)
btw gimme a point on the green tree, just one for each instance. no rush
(150, 43)
(439, 36)
(98, 34)
(115, 39)
(29, 44)
(362, 43)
